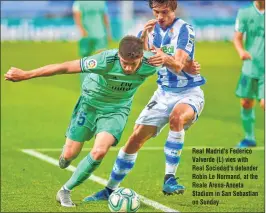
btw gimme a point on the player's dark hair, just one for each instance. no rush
(172, 4)
(131, 47)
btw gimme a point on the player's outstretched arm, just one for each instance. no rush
(16, 74)
(238, 42)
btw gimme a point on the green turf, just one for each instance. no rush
(35, 114)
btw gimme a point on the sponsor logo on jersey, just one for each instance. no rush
(124, 86)
(168, 49)
(90, 64)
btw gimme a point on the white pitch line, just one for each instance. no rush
(143, 148)
(96, 179)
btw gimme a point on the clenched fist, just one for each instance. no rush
(192, 67)
(245, 55)
(15, 74)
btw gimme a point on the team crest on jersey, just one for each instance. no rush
(171, 32)
(90, 64)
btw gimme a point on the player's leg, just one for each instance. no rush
(150, 122)
(70, 151)
(115, 125)
(87, 165)
(247, 91)
(181, 114)
(127, 155)
(185, 112)
(248, 122)
(81, 129)
(125, 161)
(77, 133)
(103, 142)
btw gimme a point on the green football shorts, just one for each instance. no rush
(87, 121)
(250, 87)
(88, 46)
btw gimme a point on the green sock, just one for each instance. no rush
(248, 121)
(83, 171)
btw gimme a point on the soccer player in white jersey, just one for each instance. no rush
(178, 100)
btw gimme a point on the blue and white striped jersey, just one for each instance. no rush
(179, 35)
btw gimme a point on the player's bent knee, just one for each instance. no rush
(98, 153)
(71, 149)
(247, 104)
(68, 154)
(176, 121)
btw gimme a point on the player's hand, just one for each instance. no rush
(15, 74)
(245, 55)
(157, 59)
(149, 26)
(84, 33)
(192, 67)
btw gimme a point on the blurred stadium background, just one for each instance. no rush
(52, 20)
(35, 114)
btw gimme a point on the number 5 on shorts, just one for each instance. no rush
(151, 104)
(82, 118)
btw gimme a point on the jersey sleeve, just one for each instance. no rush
(94, 64)
(186, 38)
(240, 25)
(76, 6)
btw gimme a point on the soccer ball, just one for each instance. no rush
(123, 200)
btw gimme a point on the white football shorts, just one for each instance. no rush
(160, 106)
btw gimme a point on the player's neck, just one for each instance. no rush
(260, 5)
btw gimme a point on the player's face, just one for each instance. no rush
(164, 15)
(130, 66)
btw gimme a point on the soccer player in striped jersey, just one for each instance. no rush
(250, 21)
(178, 100)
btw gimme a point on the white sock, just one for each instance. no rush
(172, 150)
(123, 165)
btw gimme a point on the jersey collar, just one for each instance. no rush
(261, 13)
